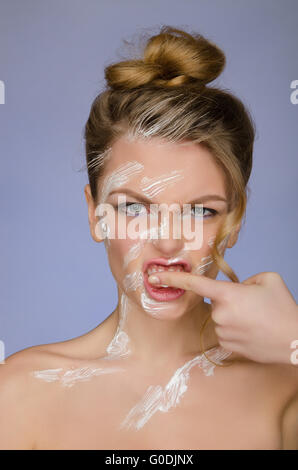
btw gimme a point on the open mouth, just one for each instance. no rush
(163, 292)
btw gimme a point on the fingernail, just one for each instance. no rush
(153, 279)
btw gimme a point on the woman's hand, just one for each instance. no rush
(257, 318)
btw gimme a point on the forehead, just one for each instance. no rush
(160, 158)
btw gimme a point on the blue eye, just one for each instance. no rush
(199, 211)
(132, 206)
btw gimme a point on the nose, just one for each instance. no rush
(164, 236)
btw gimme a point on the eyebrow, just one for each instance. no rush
(140, 197)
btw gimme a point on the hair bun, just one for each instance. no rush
(173, 57)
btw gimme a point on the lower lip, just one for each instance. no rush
(162, 294)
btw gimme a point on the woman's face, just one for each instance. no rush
(155, 171)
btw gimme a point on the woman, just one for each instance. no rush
(165, 370)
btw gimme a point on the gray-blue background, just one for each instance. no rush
(55, 281)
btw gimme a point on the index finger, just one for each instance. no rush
(201, 285)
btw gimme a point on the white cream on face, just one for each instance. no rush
(152, 306)
(153, 186)
(150, 187)
(119, 177)
(100, 159)
(116, 179)
(133, 281)
(202, 267)
(133, 253)
(211, 241)
(206, 261)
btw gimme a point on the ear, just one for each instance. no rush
(93, 219)
(233, 236)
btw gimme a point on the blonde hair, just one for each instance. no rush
(164, 94)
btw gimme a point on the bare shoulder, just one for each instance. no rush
(284, 378)
(282, 387)
(281, 379)
(88, 346)
(25, 401)
(22, 398)
(287, 373)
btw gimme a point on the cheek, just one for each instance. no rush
(116, 251)
(203, 263)
(121, 253)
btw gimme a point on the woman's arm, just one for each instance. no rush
(256, 318)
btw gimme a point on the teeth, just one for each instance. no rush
(151, 270)
(154, 268)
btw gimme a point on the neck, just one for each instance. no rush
(162, 340)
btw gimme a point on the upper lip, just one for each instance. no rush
(166, 262)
